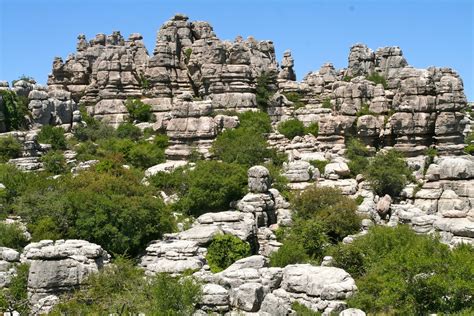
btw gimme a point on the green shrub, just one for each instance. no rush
(12, 236)
(113, 210)
(243, 146)
(291, 128)
(15, 182)
(388, 173)
(10, 148)
(170, 182)
(211, 186)
(224, 250)
(358, 154)
(15, 110)
(364, 110)
(122, 289)
(45, 228)
(144, 155)
(259, 121)
(138, 111)
(327, 103)
(289, 253)
(86, 150)
(311, 234)
(263, 91)
(294, 97)
(54, 162)
(15, 297)
(54, 136)
(320, 164)
(347, 78)
(187, 54)
(94, 130)
(302, 310)
(378, 79)
(417, 274)
(469, 140)
(313, 129)
(161, 141)
(128, 130)
(328, 206)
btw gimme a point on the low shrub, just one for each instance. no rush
(364, 110)
(327, 103)
(54, 162)
(313, 129)
(263, 90)
(289, 253)
(128, 130)
(417, 274)
(259, 121)
(12, 236)
(54, 136)
(122, 289)
(138, 111)
(224, 250)
(211, 186)
(170, 182)
(358, 155)
(161, 141)
(378, 79)
(469, 140)
(320, 164)
(291, 128)
(10, 148)
(144, 155)
(94, 129)
(294, 97)
(15, 110)
(14, 298)
(302, 310)
(388, 173)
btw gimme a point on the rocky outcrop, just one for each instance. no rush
(9, 258)
(60, 266)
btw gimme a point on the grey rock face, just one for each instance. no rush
(259, 179)
(57, 267)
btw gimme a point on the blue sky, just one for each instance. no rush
(430, 33)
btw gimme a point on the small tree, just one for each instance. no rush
(54, 162)
(54, 136)
(138, 111)
(224, 250)
(10, 148)
(263, 92)
(291, 128)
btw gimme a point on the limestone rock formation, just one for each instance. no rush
(60, 266)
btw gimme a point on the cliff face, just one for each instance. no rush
(192, 73)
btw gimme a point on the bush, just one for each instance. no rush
(161, 141)
(144, 155)
(388, 173)
(224, 250)
(263, 91)
(15, 297)
(378, 79)
(417, 274)
(289, 253)
(94, 130)
(128, 130)
(294, 97)
(138, 111)
(12, 236)
(10, 148)
(320, 164)
(358, 154)
(259, 122)
(328, 206)
(54, 136)
(15, 182)
(113, 210)
(54, 162)
(170, 182)
(302, 310)
(364, 110)
(243, 146)
(313, 129)
(291, 128)
(122, 289)
(469, 140)
(211, 186)
(15, 110)
(327, 103)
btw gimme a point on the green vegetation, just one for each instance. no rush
(224, 250)
(128, 130)
(378, 79)
(291, 128)
(15, 110)
(10, 148)
(15, 296)
(469, 140)
(322, 216)
(138, 111)
(122, 289)
(302, 310)
(54, 136)
(388, 173)
(402, 273)
(364, 110)
(187, 54)
(313, 129)
(320, 164)
(112, 209)
(144, 83)
(347, 78)
(295, 97)
(327, 103)
(358, 154)
(257, 121)
(12, 236)
(263, 91)
(54, 162)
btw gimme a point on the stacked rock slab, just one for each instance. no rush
(445, 202)
(9, 259)
(250, 286)
(60, 266)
